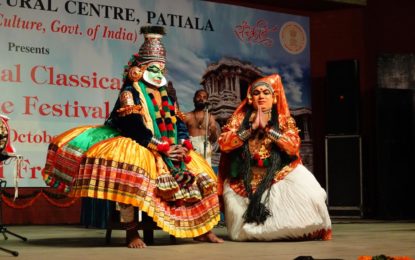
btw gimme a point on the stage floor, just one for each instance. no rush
(351, 238)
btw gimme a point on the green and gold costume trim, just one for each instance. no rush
(93, 163)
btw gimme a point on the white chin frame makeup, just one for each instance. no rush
(148, 80)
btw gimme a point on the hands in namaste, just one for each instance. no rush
(260, 121)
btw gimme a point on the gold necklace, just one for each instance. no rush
(268, 113)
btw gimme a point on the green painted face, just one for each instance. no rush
(154, 74)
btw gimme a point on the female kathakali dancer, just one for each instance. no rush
(268, 194)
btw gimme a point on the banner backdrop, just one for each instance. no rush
(61, 61)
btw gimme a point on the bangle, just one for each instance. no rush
(158, 145)
(245, 134)
(273, 134)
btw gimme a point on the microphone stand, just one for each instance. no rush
(7, 152)
(206, 130)
(3, 228)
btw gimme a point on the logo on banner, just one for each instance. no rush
(293, 37)
(260, 33)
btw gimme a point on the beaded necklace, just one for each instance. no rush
(165, 118)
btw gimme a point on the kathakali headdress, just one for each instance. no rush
(152, 50)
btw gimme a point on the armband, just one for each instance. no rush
(124, 111)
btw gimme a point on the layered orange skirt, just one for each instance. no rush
(96, 162)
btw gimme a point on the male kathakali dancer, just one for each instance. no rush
(141, 157)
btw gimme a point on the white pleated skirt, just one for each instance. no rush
(298, 211)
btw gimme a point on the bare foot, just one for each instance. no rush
(209, 237)
(134, 240)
